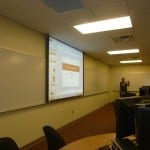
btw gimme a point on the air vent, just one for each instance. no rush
(62, 6)
(133, 58)
(124, 38)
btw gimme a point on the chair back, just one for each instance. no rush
(54, 139)
(7, 143)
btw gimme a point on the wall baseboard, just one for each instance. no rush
(39, 144)
(97, 122)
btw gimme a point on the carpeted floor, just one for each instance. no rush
(100, 121)
(97, 122)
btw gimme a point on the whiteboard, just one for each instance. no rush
(96, 79)
(137, 79)
(22, 80)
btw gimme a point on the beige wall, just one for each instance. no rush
(25, 125)
(97, 80)
(138, 75)
(20, 38)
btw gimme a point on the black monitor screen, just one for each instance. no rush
(125, 124)
(144, 91)
(143, 127)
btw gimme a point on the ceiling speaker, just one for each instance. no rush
(62, 6)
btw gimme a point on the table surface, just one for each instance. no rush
(90, 143)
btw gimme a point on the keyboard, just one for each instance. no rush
(123, 144)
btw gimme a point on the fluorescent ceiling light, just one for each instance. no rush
(117, 52)
(130, 61)
(105, 25)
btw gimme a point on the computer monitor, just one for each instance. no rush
(142, 115)
(125, 122)
(133, 119)
(144, 91)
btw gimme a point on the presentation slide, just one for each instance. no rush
(65, 75)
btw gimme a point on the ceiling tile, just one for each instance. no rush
(107, 9)
(11, 3)
(78, 17)
(38, 16)
(139, 6)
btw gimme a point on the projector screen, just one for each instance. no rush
(65, 71)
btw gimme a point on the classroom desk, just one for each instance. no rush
(90, 143)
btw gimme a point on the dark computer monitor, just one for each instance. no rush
(125, 119)
(141, 92)
(142, 115)
(144, 91)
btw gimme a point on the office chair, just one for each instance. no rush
(7, 143)
(54, 140)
